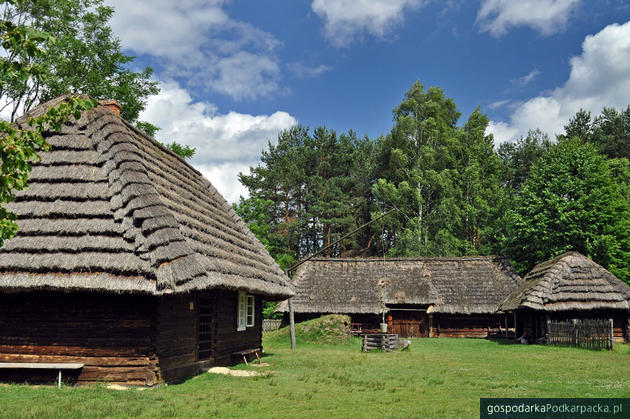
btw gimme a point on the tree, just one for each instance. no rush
(571, 201)
(444, 179)
(20, 144)
(609, 131)
(518, 158)
(85, 57)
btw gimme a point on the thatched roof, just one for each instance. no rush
(110, 209)
(571, 281)
(451, 285)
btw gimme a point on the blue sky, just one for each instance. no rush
(235, 73)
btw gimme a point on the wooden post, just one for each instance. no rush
(610, 346)
(291, 324)
(547, 329)
(515, 329)
(574, 333)
(431, 325)
(506, 326)
(59, 380)
(547, 334)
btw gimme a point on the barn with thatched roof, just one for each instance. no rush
(570, 286)
(128, 261)
(418, 297)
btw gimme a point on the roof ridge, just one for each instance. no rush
(409, 259)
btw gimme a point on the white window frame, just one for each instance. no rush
(251, 312)
(241, 313)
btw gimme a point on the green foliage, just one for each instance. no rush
(571, 201)
(184, 151)
(269, 310)
(309, 190)
(444, 179)
(148, 128)
(609, 132)
(518, 157)
(82, 57)
(455, 193)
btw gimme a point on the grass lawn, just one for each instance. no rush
(436, 377)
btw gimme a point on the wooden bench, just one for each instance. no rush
(42, 366)
(244, 353)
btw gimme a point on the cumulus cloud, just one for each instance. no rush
(600, 76)
(194, 37)
(546, 16)
(259, 79)
(344, 20)
(225, 143)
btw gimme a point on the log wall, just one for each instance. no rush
(176, 336)
(466, 326)
(111, 334)
(227, 339)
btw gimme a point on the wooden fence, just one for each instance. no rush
(583, 333)
(270, 325)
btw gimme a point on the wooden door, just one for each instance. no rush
(204, 338)
(409, 324)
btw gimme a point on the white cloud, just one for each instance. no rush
(546, 16)
(258, 80)
(225, 143)
(347, 19)
(303, 70)
(526, 79)
(499, 104)
(599, 77)
(198, 41)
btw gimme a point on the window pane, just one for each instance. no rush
(250, 310)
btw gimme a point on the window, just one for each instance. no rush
(246, 313)
(250, 311)
(242, 311)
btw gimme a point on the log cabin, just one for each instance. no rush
(128, 261)
(570, 286)
(416, 297)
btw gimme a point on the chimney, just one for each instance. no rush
(111, 104)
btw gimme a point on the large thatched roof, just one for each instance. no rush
(571, 281)
(110, 209)
(450, 285)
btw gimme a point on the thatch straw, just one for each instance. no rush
(451, 285)
(110, 209)
(570, 281)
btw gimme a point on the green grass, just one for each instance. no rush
(436, 377)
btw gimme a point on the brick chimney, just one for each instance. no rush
(111, 104)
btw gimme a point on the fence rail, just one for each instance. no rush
(270, 325)
(583, 333)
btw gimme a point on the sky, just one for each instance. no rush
(233, 74)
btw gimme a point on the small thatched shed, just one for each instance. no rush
(128, 261)
(570, 286)
(419, 296)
